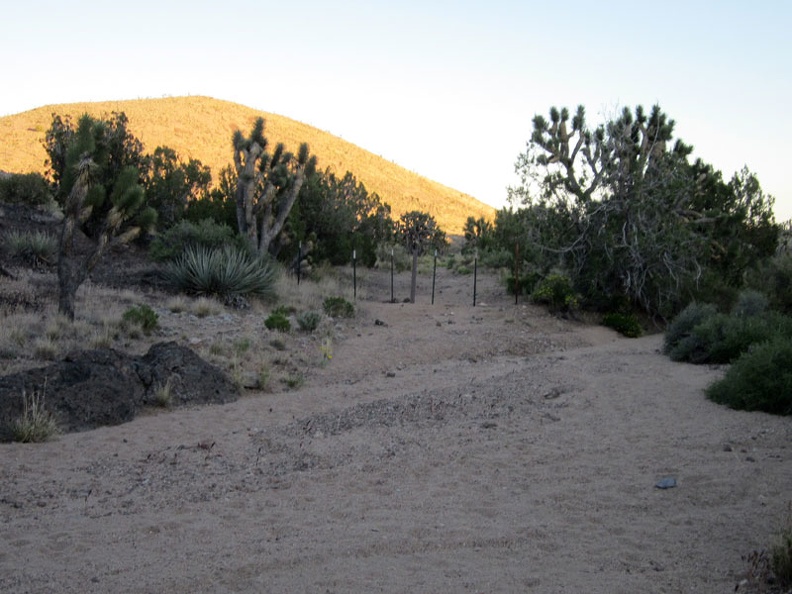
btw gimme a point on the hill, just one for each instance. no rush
(201, 128)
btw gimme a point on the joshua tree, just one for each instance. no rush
(418, 231)
(85, 194)
(267, 185)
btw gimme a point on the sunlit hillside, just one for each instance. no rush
(201, 128)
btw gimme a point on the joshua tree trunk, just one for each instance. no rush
(414, 277)
(70, 276)
(272, 223)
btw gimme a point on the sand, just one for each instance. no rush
(445, 448)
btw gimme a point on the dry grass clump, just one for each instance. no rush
(32, 336)
(163, 395)
(36, 424)
(236, 341)
(781, 552)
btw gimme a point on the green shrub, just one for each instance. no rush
(722, 338)
(225, 273)
(624, 323)
(750, 303)
(527, 283)
(25, 188)
(774, 278)
(682, 325)
(143, 316)
(277, 321)
(557, 293)
(308, 321)
(402, 260)
(32, 247)
(206, 233)
(761, 379)
(338, 307)
(497, 258)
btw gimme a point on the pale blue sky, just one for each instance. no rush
(445, 89)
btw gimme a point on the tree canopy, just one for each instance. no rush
(624, 212)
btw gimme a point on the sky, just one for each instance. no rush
(445, 89)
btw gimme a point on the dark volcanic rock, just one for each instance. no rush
(90, 389)
(192, 380)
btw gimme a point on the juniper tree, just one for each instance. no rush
(87, 188)
(267, 185)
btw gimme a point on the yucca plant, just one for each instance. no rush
(223, 272)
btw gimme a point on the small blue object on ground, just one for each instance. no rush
(666, 483)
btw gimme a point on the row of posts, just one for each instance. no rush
(434, 273)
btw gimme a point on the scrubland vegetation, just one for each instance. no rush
(614, 220)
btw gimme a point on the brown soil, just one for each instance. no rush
(444, 448)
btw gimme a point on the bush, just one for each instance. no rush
(206, 233)
(750, 303)
(722, 339)
(557, 293)
(338, 307)
(143, 316)
(624, 323)
(402, 260)
(25, 188)
(761, 379)
(682, 325)
(497, 258)
(774, 278)
(34, 248)
(278, 321)
(225, 273)
(308, 321)
(527, 283)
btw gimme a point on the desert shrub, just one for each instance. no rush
(624, 323)
(25, 188)
(402, 260)
(526, 283)
(225, 273)
(750, 302)
(308, 321)
(338, 307)
(206, 233)
(36, 424)
(774, 278)
(32, 247)
(682, 325)
(723, 338)
(557, 293)
(143, 316)
(278, 321)
(496, 258)
(761, 379)
(294, 381)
